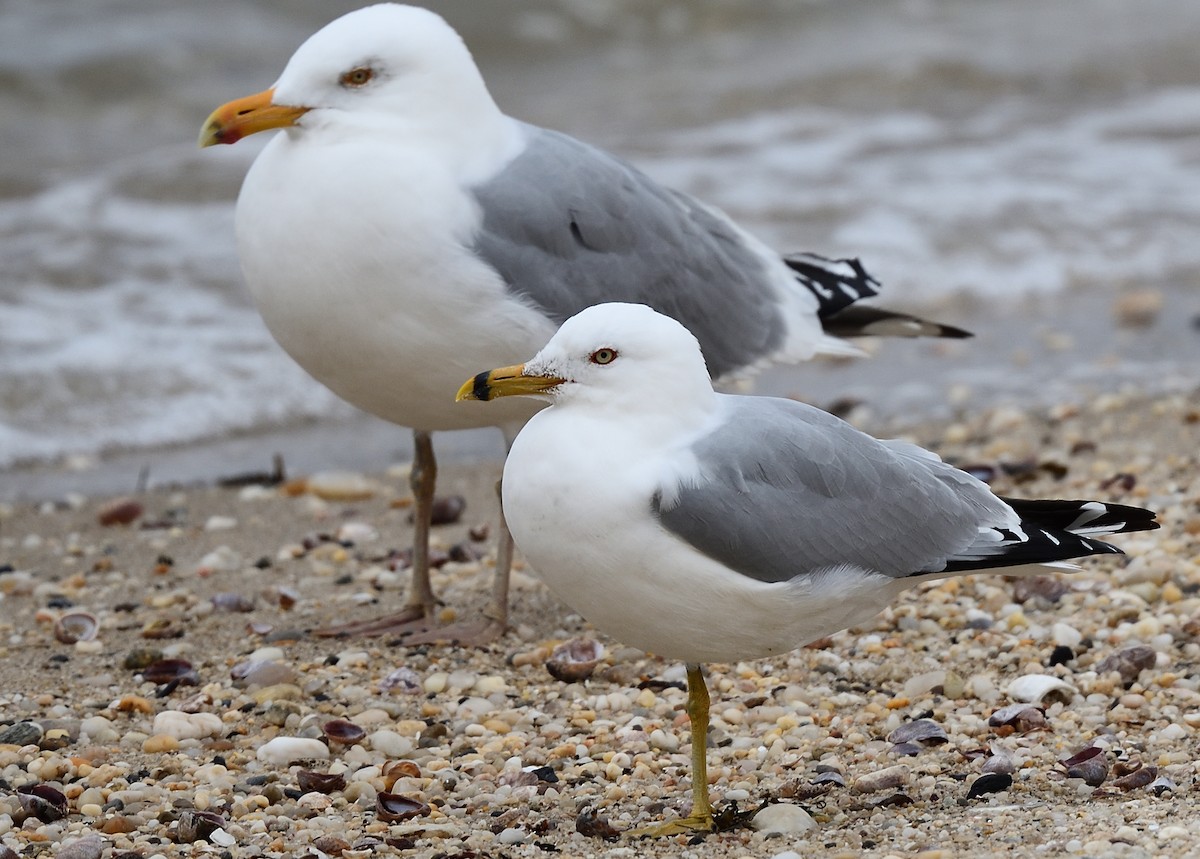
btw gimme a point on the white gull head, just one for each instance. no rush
(613, 355)
(391, 68)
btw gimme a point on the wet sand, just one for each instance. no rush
(504, 758)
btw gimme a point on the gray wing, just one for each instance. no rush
(785, 489)
(568, 226)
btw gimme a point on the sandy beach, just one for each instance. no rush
(501, 759)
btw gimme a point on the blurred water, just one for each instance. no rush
(962, 148)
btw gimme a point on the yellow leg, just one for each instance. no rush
(701, 819)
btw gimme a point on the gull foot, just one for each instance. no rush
(410, 620)
(477, 633)
(697, 824)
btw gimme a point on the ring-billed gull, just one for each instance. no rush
(402, 232)
(712, 527)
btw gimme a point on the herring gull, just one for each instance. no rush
(709, 527)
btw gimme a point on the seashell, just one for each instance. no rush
(392, 808)
(1140, 777)
(343, 733)
(44, 802)
(232, 602)
(119, 511)
(331, 845)
(25, 733)
(1020, 718)
(830, 777)
(1161, 785)
(1049, 588)
(464, 553)
(319, 782)
(179, 671)
(261, 673)
(1091, 765)
(590, 824)
(76, 626)
(258, 627)
(1129, 662)
(197, 825)
(575, 660)
(518, 778)
(283, 750)
(925, 731)
(161, 628)
(448, 510)
(479, 532)
(403, 680)
(1000, 763)
(1034, 688)
(991, 782)
(906, 750)
(882, 780)
(139, 658)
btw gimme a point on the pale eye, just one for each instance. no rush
(357, 77)
(603, 356)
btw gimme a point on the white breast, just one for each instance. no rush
(357, 258)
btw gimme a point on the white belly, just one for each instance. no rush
(586, 527)
(374, 293)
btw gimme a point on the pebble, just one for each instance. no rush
(390, 744)
(187, 726)
(884, 779)
(88, 847)
(283, 750)
(783, 818)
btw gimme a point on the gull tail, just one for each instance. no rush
(1052, 532)
(839, 283)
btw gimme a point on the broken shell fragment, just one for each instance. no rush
(1019, 718)
(197, 825)
(393, 808)
(232, 602)
(167, 670)
(311, 781)
(1091, 765)
(991, 782)
(44, 802)
(1034, 688)
(1140, 777)
(575, 660)
(1129, 662)
(343, 733)
(884, 779)
(76, 626)
(924, 731)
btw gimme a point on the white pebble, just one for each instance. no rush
(1173, 732)
(187, 726)
(222, 838)
(512, 835)
(1066, 635)
(281, 750)
(220, 559)
(220, 523)
(783, 818)
(390, 744)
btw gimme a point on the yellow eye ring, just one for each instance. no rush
(603, 356)
(356, 77)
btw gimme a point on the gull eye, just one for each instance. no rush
(603, 356)
(356, 77)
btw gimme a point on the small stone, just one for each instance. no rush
(512, 835)
(187, 726)
(783, 818)
(88, 847)
(21, 734)
(390, 744)
(119, 511)
(283, 750)
(1129, 662)
(159, 743)
(341, 486)
(884, 779)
